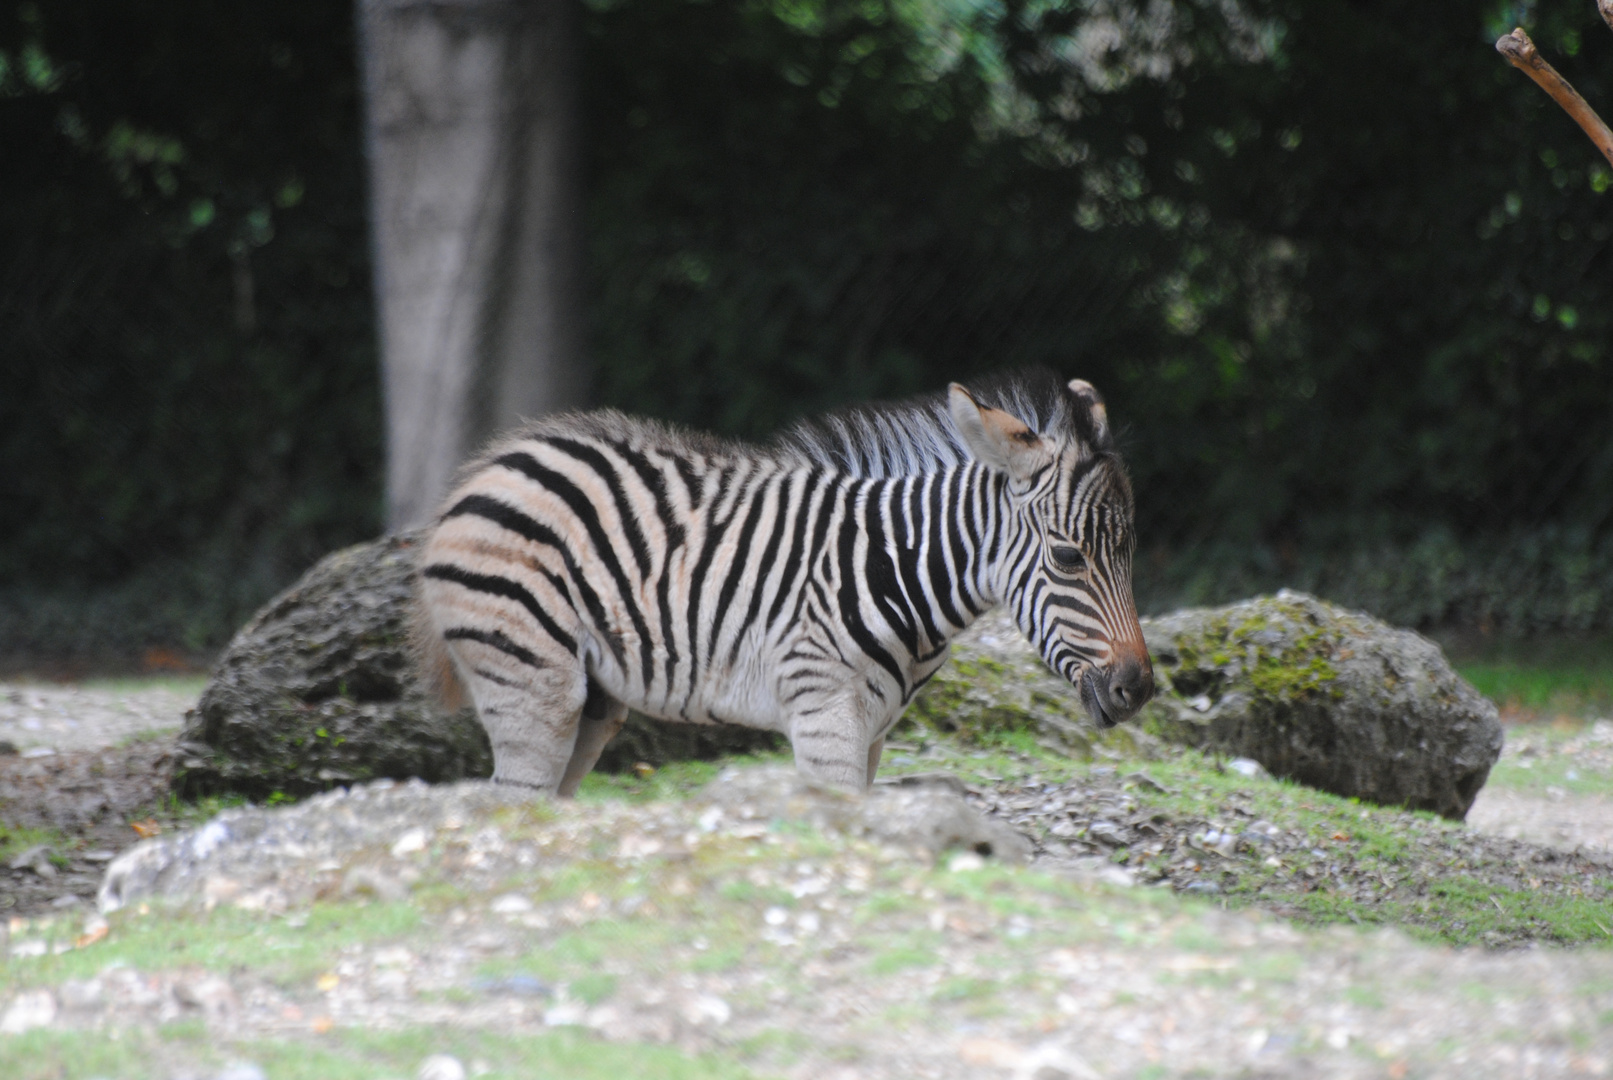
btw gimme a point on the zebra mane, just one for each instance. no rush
(901, 438)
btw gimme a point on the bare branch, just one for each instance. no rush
(1521, 54)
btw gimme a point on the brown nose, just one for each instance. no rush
(1131, 684)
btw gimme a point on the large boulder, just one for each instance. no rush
(319, 689)
(1331, 698)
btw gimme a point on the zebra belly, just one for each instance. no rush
(717, 700)
(743, 693)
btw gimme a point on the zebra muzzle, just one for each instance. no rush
(1114, 696)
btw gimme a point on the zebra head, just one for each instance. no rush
(1066, 569)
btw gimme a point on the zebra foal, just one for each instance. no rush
(593, 562)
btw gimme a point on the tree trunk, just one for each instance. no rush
(471, 129)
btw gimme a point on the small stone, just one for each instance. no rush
(394, 956)
(1143, 780)
(511, 904)
(99, 856)
(1202, 888)
(81, 995)
(410, 842)
(601, 1017)
(211, 995)
(1248, 768)
(369, 879)
(777, 916)
(1117, 875)
(965, 861)
(1107, 832)
(28, 1010)
(218, 889)
(440, 1067)
(707, 1009)
(517, 985)
(242, 1070)
(39, 752)
(31, 859)
(565, 1014)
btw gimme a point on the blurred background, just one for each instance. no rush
(1344, 276)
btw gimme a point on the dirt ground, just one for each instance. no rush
(90, 765)
(1128, 993)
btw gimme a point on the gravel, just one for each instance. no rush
(1003, 988)
(62, 719)
(1018, 977)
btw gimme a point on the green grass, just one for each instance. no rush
(349, 1054)
(15, 839)
(674, 780)
(1552, 675)
(189, 685)
(226, 938)
(1558, 761)
(1431, 892)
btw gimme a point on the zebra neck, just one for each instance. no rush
(947, 530)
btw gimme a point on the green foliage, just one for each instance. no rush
(1353, 329)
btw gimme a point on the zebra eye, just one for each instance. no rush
(1068, 558)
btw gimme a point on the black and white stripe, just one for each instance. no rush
(809, 586)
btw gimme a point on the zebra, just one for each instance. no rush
(594, 562)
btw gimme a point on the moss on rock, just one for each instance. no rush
(1329, 697)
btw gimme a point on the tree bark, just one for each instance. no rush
(475, 205)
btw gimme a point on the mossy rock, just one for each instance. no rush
(1331, 698)
(319, 690)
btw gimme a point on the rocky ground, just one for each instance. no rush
(737, 939)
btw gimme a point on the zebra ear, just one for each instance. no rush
(997, 439)
(1087, 396)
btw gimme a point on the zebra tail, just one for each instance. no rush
(431, 656)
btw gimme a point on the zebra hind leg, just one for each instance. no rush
(602, 717)
(531, 710)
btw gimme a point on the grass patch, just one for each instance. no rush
(674, 780)
(918, 949)
(1552, 675)
(185, 685)
(16, 839)
(1336, 860)
(1571, 757)
(225, 938)
(352, 1054)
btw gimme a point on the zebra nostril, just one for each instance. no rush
(1131, 685)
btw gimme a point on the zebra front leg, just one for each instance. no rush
(831, 745)
(602, 717)
(875, 749)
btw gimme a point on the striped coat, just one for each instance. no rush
(594, 562)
